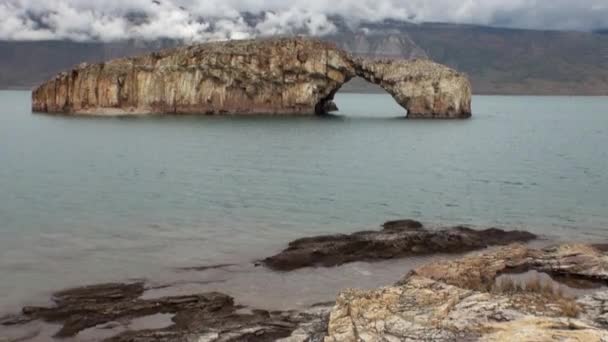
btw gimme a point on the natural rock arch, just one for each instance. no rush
(423, 88)
(273, 76)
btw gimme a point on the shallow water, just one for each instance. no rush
(85, 200)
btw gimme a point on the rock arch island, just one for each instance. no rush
(261, 76)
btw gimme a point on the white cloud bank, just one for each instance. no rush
(198, 20)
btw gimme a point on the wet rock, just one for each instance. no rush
(596, 307)
(330, 107)
(205, 268)
(397, 239)
(446, 300)
(454, 300)
(402, 225)
(268, 76)
(202, 317)
(9, 320)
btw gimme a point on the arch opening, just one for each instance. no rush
(353, 96)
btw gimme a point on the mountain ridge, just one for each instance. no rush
(497, 60)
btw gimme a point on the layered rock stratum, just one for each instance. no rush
(266, 76)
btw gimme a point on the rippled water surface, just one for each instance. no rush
(85, 200)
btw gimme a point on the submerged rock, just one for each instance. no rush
(397, 239)
(275, 76)
(458, 300)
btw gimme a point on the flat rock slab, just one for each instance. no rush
(397, 239)
(208, 316)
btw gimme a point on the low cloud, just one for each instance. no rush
(201, 20)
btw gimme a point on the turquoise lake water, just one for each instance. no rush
(98, 199)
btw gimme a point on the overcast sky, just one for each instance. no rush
(192, 19)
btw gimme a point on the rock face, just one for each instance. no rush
(271, 76)
(424, 88)
(396, 239)
(459, 300)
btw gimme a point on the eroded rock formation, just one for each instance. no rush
(205, 317)
(424, 88)
(271, 76)
(397, 239)
(459, 300)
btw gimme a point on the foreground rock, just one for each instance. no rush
(198, 317)
(460, 300)
(479, 271)
(275, 76)
(397, 239)
(446, 300)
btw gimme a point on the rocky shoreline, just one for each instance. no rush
(512, 292)
(460, 301)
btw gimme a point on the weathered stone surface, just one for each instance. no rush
(330, 107)
(447, 300)
(426, 89)
(595, 306)
(458, 300)
(573, 260)
(271, 76)
(396, 239)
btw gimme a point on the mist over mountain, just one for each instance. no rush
(498, 60)
(195, 20)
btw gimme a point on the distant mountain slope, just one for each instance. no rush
(499, 61)
(26, 64)
(379, 44)
(506, 61)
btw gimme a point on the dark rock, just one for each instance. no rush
(330, 107)
(207, 316)
(602, 247)
(402, 225)
(14, 320)
(205, 268)
(397, 239)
